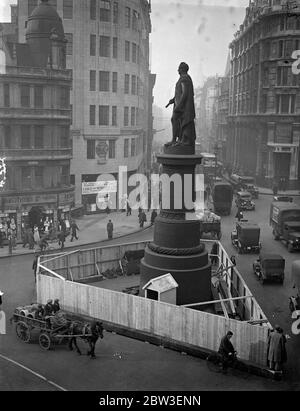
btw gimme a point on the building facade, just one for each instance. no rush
(264, 99)
(111, 98)
(35, 117)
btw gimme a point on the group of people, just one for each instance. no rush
(8, 231)
(276, 354)
(48, 310)
(141, 216)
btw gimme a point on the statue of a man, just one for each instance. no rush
(183, 118)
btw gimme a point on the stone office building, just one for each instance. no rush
(111, 98)
(264, 96)
(35, 120)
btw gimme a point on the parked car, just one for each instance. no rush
(222, 195)
(269, 267)
(283, 199)
(244, 201)
(246, 237)
(285, 221)
(252, 189)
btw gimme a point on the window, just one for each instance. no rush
(65, 137)
(133, 116)
(38, 96)
(126, 84)
(93, 11)
(126, 116)
(111, 149)
(65, 175)
(71, 113)
(126, 148)
(116, 13)
(6, 91)
(291, 23)
(25, 96)
(133, 85)
(298, 23)
(114, 116)
(282, 23)
(69, 48)
(7, 137)
(92, 45)
(38, 176)
(280, 48)
(127, 50)
(64, 97)
(103, 115)
(115, 47)
(92, 115)
(127, 17)
(104, 46)
(133, 52)
(282, 76)
(289, 48)
(92, 80)
(132, 147)
(264, 101)
(26, 177)
(285, 103)
(32, 4)
(103, 80)
(25, 137)
(104, 10)
(135, 19)
(67, 9)
(38, 137)
(115, 82)
(91, 149)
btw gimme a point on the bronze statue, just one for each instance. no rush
(183, 118)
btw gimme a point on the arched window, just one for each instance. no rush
(2, 62)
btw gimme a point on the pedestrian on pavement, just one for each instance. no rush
(1, 235)
(35, 266)
(275, 189)
(36, 235)
(74, 229)
(142, 219)
(214, 253)
(239, 215)
(10, 241)
(63, 226)
(61, 239)
(43, 244)
(276, 349)
(110, 230)
(227, 351)
(128, 209)
(30, 238)
(153, 216)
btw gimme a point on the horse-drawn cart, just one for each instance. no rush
(48, 336)
(55, 329)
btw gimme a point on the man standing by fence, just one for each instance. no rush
(110, 230)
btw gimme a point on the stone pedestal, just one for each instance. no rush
(176, 247)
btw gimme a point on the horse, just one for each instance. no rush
(88, 332)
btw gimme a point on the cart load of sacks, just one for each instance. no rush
(31, 311)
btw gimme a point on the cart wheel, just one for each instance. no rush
(45, 341)
(23, 331)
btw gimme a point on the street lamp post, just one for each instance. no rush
(216, 147)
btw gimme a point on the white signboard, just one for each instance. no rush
(96, 187)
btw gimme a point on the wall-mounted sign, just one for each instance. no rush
(96, 187)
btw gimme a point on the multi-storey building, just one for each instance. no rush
(35, 119)
(205, 99)
(111, 98)
(264, 113)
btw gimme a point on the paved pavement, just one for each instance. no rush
(92, 229)
(122, 364)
